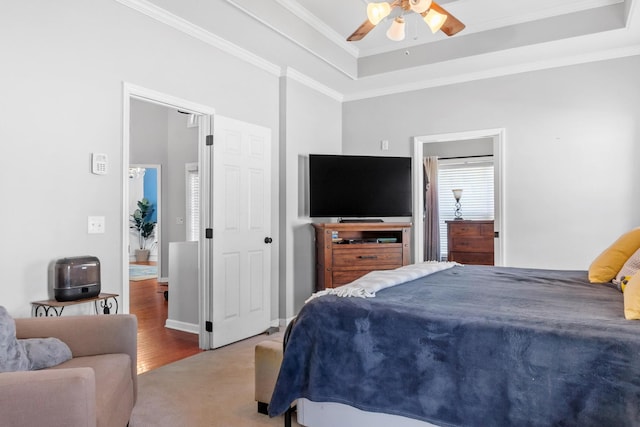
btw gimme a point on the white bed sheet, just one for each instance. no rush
(329, 414)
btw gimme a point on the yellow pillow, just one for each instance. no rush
(632, 298)
(605, 267)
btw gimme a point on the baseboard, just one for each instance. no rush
(284, 322)
(182, 326)
(163, 279)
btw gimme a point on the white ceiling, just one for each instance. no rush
(342, 17)
(501, 37)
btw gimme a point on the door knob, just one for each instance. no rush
(268, 240)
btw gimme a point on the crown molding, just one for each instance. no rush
(296, 75)
(603, 55)
(302, 13)
(292, 40)
(180, 24)
(543, 13)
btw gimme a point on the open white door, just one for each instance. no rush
(241, 250)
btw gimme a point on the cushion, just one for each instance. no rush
(632, 298)
(13, 356)
(45, 352)
(629, 268)
(607, 265)
(28, 354)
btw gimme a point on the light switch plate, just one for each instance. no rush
(95, 225)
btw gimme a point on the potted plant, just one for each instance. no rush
(144, 227)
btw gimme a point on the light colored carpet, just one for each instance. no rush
(214, 388)
(142, 272)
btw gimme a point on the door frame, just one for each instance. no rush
(498, 136)
(206, 113)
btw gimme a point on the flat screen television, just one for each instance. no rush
(347, 186)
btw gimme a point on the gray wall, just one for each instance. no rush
(571, 146)
(464, 148)
(313, 125)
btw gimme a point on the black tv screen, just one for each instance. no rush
(359, 186)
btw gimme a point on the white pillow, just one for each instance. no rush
(629, 268)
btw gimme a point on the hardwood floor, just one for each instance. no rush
(157, 345)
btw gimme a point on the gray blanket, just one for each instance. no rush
(472, 346)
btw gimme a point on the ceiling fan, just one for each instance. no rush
(436, 17)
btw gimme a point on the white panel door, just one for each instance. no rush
(241, 250)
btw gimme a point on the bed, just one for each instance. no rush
(467, 346)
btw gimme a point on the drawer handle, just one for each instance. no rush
(368, 256)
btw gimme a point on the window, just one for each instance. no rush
(475, 177)
(193, 201)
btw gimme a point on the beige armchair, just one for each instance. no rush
(97, 387)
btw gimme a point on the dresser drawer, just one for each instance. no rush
(471, 244)
(476, 258)
(373, 258)
(470, 229)
(342, 277)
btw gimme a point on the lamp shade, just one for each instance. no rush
(457, 193)
(419, 6)
(396, 30)
(435, 20)
(376, 12)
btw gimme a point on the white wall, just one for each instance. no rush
(572, 142)
(64, 64)
(312, 124)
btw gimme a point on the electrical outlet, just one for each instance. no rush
(95, 225)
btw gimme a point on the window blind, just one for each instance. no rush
(475, 178)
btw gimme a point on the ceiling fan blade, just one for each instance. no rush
(452, 25)
(362, 31)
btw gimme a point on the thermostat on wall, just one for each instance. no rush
(99, 163)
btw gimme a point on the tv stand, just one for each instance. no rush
(347, 251)
(357, 221)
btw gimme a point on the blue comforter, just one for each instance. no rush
(472, 346)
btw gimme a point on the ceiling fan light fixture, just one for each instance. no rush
(419, 6)
(396, 30)
(435, 20)
(376, 12)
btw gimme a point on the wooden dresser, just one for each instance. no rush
(346, 251)
(470, 242)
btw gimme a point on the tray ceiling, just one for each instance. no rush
(501, 37)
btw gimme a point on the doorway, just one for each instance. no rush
(497, 136)
(161, 111)
(234, 183)
(145, 186)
